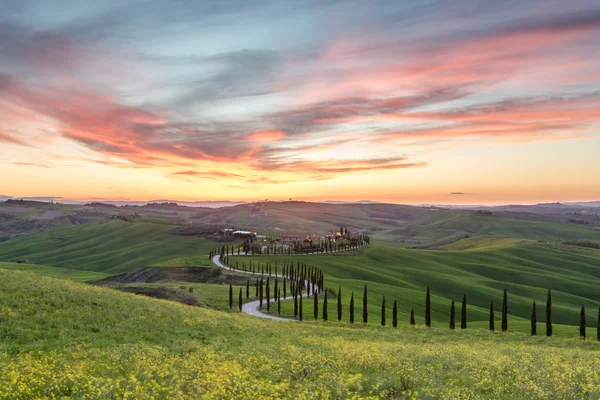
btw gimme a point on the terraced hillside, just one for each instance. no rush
(65, 339)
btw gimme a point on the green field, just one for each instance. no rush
(55, 272)
(63, 339)
(481, 270)
(109, 247)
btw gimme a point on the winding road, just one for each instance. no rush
(253, 307)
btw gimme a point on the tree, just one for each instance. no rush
(598, 325)
(300, 308)
(492, 322)
(339, 304)
(383, 312)
(256, 295)
(533, 319)
(325, 311)
(365, 312)
(316, 309)
(352, 308)
(279, 302)
(549, 314)
(295, 305)
(427, 308)
(395, 315)
(452, 314)
(505, 311)
(412, 317)
(268, 293)
(247, 289)
(463, 313)
(284, 289)
(230, 297)
(582, 323)
(260, 293)
(240, 300)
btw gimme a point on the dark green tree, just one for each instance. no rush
(325, 311)
(582, 333)
(533, 319)
(412, 317)
(492, 322)
(295, 305)
(395, 315)
(279, 302)
(452, 315)
(383, 312)
(300, 313)
(230, 297)
(549, 314)
(339, 304)
(284, 289)
(260, 293)
(256, 295)
(316, 308)
(247, 289)
(240, 300)
(365, 312)
(598, 325)
(268, 295)
(505, 311)
(463, 313)
(427, 308)
(352, 308)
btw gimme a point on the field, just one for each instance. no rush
(55, 272)
(481, 270)
(70, 340)
(109, 247)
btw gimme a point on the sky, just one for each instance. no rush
(399, 101)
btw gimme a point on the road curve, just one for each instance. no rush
(253, 307)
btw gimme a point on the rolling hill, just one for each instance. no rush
(64, 339)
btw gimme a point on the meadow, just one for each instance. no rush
(481, 269)
(110, 247)
(65, 339)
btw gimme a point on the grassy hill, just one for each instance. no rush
(481, 270)
(55, 272)
(109, 247)
(63, 339)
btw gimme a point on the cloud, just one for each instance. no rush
(458, 193)
(266, 136)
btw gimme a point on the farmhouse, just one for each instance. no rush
(243, 234)
(289, 238)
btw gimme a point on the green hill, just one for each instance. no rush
(109, 247)
(55, 272)
(481, 271)
(63, 339)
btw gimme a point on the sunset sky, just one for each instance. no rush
(398, 101)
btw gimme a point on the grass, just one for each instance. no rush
(109, 247)
(526, 268)
(55, 272)
(63, 339)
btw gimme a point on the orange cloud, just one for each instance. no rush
(266, 136)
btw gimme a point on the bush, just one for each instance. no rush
(216, 271)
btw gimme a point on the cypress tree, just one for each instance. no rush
(230, 297)
(284, 290)
(533, 319)
(339, 304)
(582, 323)
(240, 300)
(316, 308)
(365, 312)
(598, 325)
(383, 312)
(275, 290)
(549, 314)
(300, 308)
(452, 314)
(352, 308)
(505, 311)
(279, 302)
(247, 289)
(412, 317)
(268, 294)
(256, 295)
(463, 313)
(260, 293)
(395, 315)
(492, 322)
(325, 311)
(427, 308)
(295, 305)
